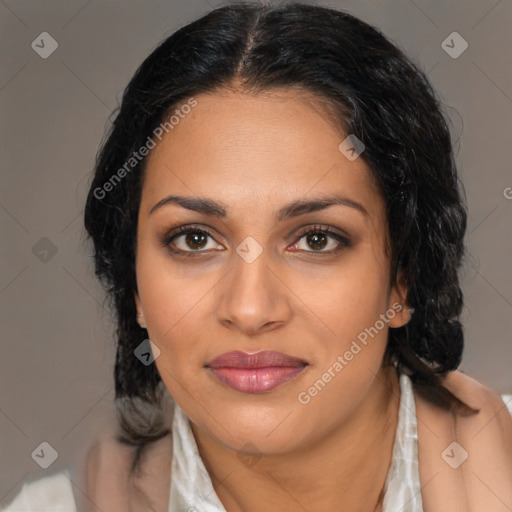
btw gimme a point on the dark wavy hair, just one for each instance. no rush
(374, 92)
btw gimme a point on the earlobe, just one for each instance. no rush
(402, 313)
(138, 304)
(140, 313)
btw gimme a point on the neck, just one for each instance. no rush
(349, 466)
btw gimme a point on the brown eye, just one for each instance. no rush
(188, 240)
(318, 239)
(195, 240)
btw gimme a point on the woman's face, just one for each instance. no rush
(258, 281)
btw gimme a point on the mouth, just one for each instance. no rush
(255, 373)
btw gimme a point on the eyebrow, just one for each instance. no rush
(298, 207)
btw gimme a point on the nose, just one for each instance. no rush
(253, 298)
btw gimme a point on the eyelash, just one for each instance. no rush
(193, 228)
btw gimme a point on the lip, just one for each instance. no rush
(262, 359)
(255, 373)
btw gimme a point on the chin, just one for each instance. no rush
(265, 429)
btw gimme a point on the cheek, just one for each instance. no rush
(349, 359)
(174, 316)
(167, 305)
(166, 293)
(350, 356)
(346, 298)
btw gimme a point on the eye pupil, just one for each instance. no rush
(317, 239)
(195, 239)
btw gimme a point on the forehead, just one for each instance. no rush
(244, 149)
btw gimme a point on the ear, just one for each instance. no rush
(140, 313)
(138, 304)
(398, 303)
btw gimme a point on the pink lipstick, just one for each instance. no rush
(255, 373)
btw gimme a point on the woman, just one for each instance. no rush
(277, 209)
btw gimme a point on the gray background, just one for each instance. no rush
(57, 349)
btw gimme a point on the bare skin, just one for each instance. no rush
(482, 482)
(312, 479)
(254, 155)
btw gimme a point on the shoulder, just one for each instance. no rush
(466, 458)
(106, 471)
(53, 492)
(112, 486)
(493, 422)
(472, 391)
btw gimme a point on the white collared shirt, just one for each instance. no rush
(191, 488)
